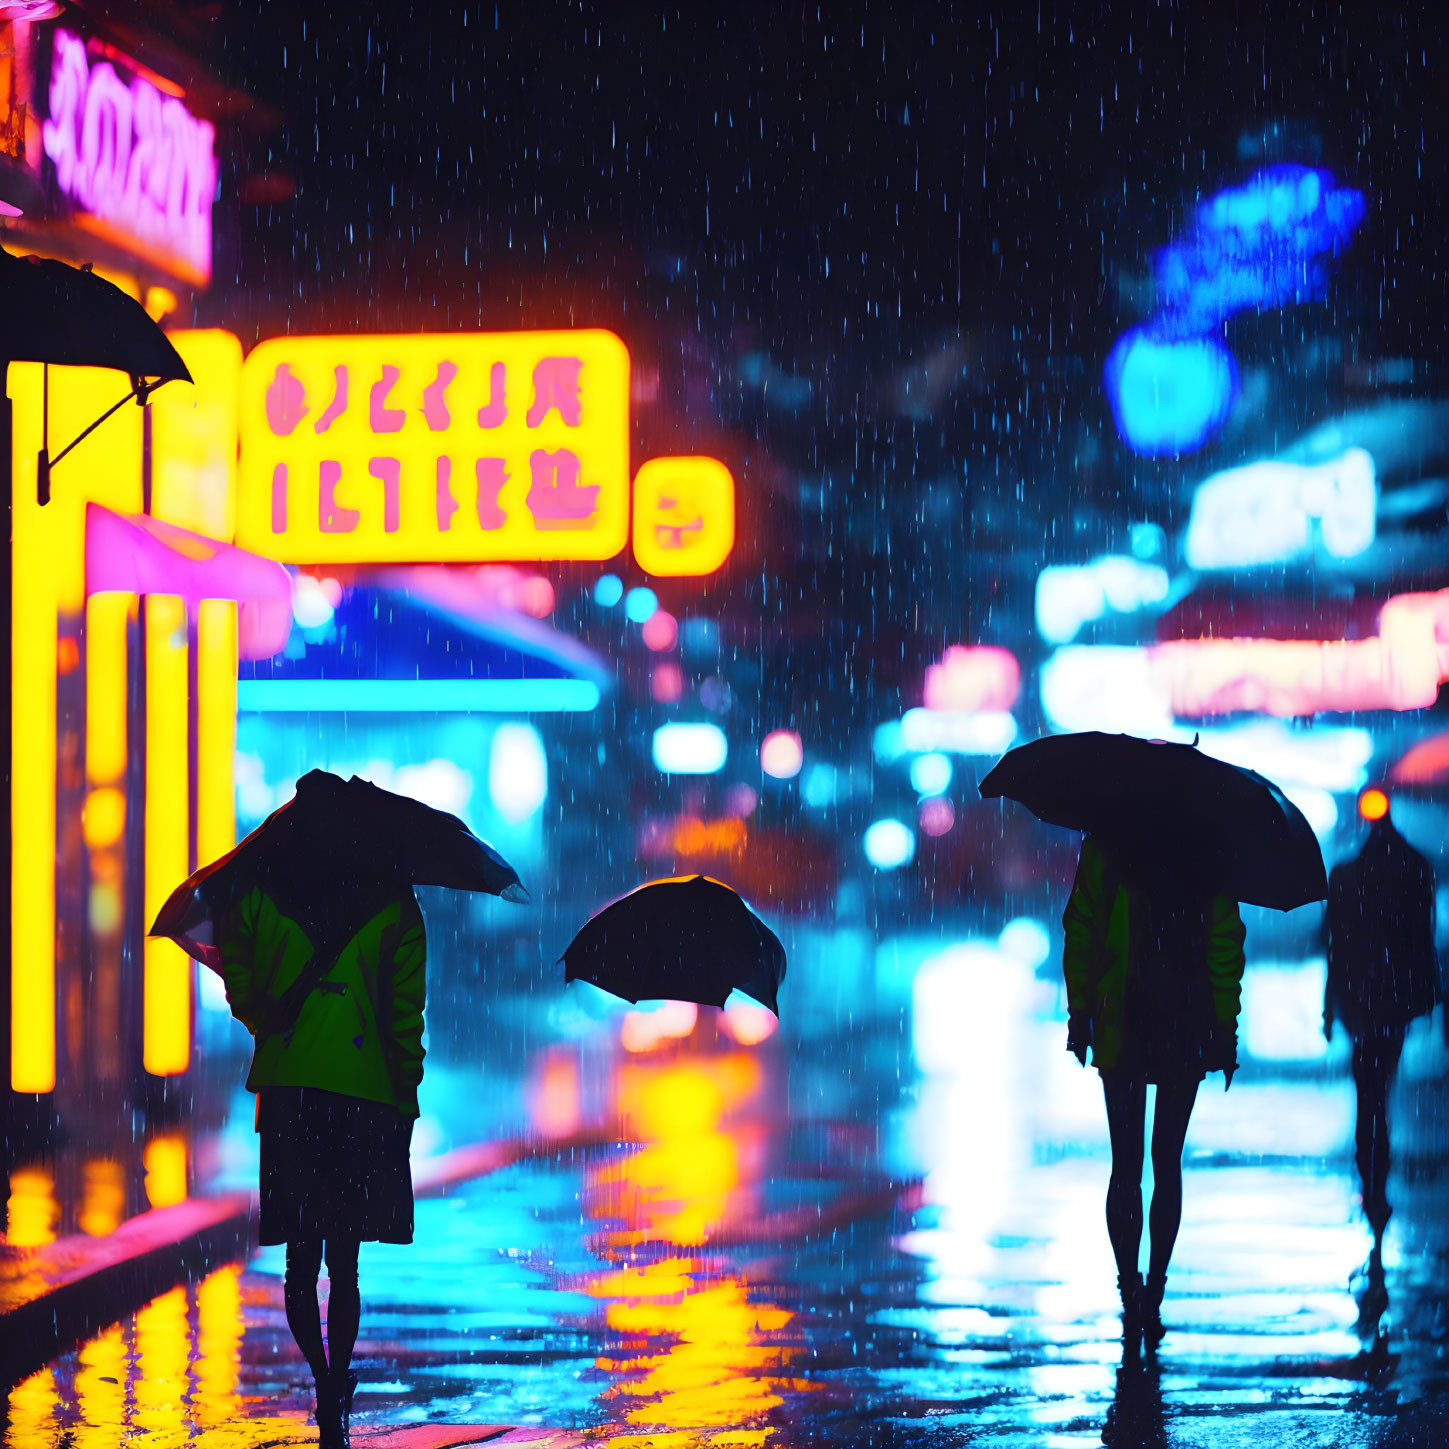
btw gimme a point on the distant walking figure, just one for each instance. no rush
(327, 975)
(1382, 974)
(1153, 974)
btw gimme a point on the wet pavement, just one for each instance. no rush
(889, 1232)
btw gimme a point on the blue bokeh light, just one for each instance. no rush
(640, 604)
(608, 590)
(1169, 396)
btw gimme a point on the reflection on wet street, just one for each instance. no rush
(774, 1246)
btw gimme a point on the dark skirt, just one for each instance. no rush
(333, 1167)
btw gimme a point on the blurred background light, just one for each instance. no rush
(648, 1028)
(639, 604)
(608, 590)
(989, 732)
(890, 844)
(1026, 940)
(818, 788)
(517, 771)
(415, 696)
(310, 605)
(666, 682)
(1068, 597)
(1169, 396)
(781, 754)
(973, 677)
(660, 630)
(931, 773)
(746, 1021)
(690, 749)
(936, 816)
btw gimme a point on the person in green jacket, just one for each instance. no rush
(328, 976)
(1153, 975)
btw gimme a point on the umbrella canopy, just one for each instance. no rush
(688, 938)
(1173, 810)
(60, 314)
(328, 857)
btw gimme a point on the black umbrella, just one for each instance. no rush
(688, 938)
(328, 856)
(1173, 811)
(51, 312)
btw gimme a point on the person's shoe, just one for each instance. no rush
(346, 1388)
(1153, 1290)
(1130, 1287)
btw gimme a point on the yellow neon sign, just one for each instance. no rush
(684, 516)
(435, 448)
(216, 668)
(166, 990)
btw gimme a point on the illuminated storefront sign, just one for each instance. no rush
(138, 167)
(435, 448)
(1269, 512)
(684, 515)
(1143, 690)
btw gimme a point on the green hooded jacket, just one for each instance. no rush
(1097, 949)
(360, 1031)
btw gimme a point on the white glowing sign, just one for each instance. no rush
(139, 167)
(1070, 596)
(1270, 512)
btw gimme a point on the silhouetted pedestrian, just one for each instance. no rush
(1382, 974)
(1153, 973)
(338, 1025)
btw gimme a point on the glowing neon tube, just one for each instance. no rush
(107, 618)
(216, 661)
(166, 994)
(409, 696)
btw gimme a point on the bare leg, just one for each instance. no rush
(344, 1304)
(1126, 1115)
(304, 1262)
(1169, 1132)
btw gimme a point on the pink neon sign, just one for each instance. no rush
(1401, 668)
(137, 164)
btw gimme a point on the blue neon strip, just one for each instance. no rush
(415, 696)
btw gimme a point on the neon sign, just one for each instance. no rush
(1141, 690)
(1269, 512)
(1170, 381)
(435, 448)
(684, 515)
(140, 168)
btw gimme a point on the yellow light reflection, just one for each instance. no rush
(32, 1212)
(33, 1406)
(163, 1350)
(103, 1197)
(100, 1390)
(219, 1336)
(103, 819)
(108, 618)
(166, 1003)
(48, 552)
(694, 1351)
(216, 666)
(164, 1159)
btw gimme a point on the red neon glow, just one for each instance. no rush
(1402, 668)
(666, 683)
(973, 677)
(1426, 764)
(133, 158)
(1373, 804)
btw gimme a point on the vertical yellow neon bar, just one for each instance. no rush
(48, 552)
(166, 995)
(216, 664)
(107, 619)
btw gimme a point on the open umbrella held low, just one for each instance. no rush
(1173, 809)
(688, 938)
(326, 855)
